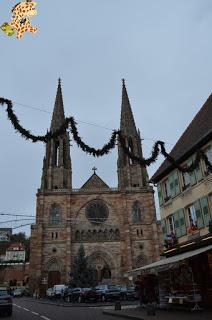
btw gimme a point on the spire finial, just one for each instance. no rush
(123, 82)
(59, 81)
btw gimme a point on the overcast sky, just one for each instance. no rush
(162, 48)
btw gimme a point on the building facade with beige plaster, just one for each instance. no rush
(117, 226)
(186, 198)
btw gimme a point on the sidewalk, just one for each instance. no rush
(140, 314)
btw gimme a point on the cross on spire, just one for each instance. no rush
(94, 170)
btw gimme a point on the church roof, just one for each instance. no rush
(94, 182)
(195, 136)
(58, 116)
(127, 124)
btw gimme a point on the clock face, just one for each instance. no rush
(96, 212)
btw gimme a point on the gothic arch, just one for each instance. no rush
(108, 204)
(53, 264)
(102, 254)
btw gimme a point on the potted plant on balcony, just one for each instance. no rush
(193, 227)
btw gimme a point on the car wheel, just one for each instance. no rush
(68, 299)
(103, 299)
(79, 299)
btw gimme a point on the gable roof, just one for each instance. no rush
(95, 182)
(198, 133)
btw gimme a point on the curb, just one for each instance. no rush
(118, 315)
(68, 306)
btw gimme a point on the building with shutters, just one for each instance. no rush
(185, 274)
(186, 198)
(117, 226)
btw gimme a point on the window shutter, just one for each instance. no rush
(177, 224)
(160, 198)
(176, 183)
(205, 210)
(191, 174)
(197, 207)
(171, 185)
(164, 227)
(198, 173)
(182, 222)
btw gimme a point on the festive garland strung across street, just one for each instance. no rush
(20, 22)
(70, 122)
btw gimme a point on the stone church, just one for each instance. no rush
(117, 226)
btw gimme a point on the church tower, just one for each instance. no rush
(130, 173)
(57, 162)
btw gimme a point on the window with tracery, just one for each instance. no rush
(55, 214)
(136, 212)
(96, 212)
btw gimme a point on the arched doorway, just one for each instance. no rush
(53, 270)
(101, 265)
(54, 277)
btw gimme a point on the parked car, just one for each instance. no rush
(107, 292)
(81, 295)
(50, 293)
(27, 293)
(67, 293)
(127, 292)
(19, 292)
(59, 290)
(5, 302)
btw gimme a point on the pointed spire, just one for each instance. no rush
(58, 116)
(127, 121)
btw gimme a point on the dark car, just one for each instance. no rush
(67, 294)
(5, 302)
(127, 292)
(108, 292)
(80, 295)
(27, 293)
(19, 292)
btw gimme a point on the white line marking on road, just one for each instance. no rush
(37, 314)
(33, 312)
(25, 309)
(45, 318)
(16, 305)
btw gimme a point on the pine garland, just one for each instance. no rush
(70, 122)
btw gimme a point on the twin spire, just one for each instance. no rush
(58, 116)
(127, 123)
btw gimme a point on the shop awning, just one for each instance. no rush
(168, 263)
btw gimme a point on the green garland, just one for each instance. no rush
(70, 122)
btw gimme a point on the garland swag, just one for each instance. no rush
(70, 122)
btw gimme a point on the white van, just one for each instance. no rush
(58, 289)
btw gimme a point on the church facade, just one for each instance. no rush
(117, 226)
